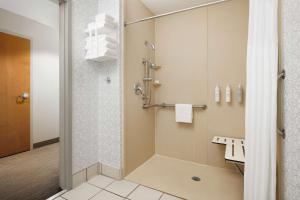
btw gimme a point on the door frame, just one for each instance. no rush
(65, 80)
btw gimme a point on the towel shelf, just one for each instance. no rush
(165, 105)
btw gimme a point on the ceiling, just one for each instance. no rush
(42, 11)
(163, 6)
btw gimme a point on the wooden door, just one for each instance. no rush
(14, 94)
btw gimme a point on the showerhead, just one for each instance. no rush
(151, 45)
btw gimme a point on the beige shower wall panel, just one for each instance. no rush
(138, 123)
(181, 42)
(227, 49)
(198, 50)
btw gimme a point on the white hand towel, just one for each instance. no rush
(184, 113)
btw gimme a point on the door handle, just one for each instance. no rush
(21, 98)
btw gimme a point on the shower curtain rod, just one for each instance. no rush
(174, 12)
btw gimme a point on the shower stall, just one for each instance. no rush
(178, 55)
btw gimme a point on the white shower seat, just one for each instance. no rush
(235, 150)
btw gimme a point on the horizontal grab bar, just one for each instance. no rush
(164, 105)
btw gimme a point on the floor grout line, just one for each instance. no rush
(132, 191)
(127, 197)
(104, 189)
(161, 196)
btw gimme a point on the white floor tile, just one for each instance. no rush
(169, 197)
(104, 195)
(82, 192)
(101, 181)
(144, 193)
(122, 188)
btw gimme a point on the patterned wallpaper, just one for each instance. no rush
(291, 62)
(96, 103)
(110, 99)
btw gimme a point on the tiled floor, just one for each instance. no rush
(173, 176)
(105, 188)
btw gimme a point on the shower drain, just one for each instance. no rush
(196, 178)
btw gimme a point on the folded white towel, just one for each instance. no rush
(100, 28)
(102, 24)
(104, 17)
(184, 113)
(107, 38)
(102, 43)
(107, 52)
(92, 54)
(107, 45)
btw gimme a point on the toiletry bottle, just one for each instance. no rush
(217, 94)
(228, 94)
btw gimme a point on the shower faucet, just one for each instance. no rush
(138, 90)
(152, 46)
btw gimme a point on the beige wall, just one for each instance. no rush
(139, 125)
(197, 50)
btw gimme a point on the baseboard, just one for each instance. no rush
(111, 172)
(94, 170)
(45, 143)
(57, 195)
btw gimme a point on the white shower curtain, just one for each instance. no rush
(261, 101)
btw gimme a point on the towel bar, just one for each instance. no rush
(164, 105)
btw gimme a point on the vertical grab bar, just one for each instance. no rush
(281, 132)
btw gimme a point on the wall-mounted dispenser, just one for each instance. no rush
(228, 94)
(239, 94)
(217, 94)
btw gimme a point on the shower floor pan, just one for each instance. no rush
(189, 180)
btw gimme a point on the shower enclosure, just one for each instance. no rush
(179, 55)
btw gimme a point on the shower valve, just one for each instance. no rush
(138, 90)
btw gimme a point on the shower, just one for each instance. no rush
(149, 66)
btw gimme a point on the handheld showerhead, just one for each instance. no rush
(151, 45)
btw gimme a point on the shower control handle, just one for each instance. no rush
(138, 90)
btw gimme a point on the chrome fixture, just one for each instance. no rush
(281, 132)
(148, 79)
(196, 178)
(151, 65)
(282, 75)
(138, 90)
(174, 12)
(151, 45)
(165, 105)
(108, 79)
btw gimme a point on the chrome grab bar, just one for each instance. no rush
(165, 105)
